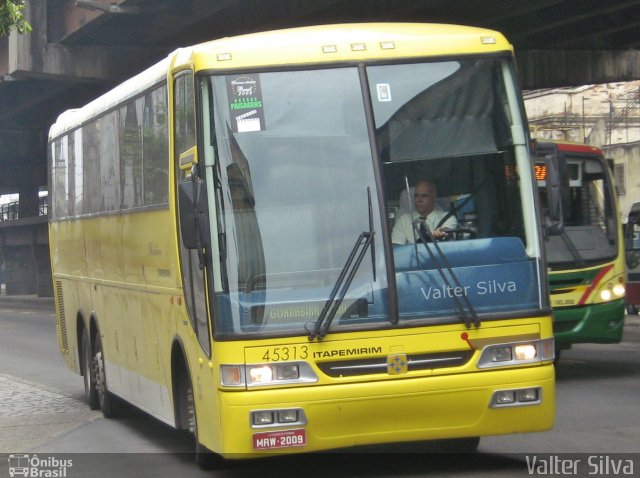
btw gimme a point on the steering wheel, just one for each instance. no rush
(458, 233)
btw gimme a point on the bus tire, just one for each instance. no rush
(107, 401)
(205, 458)
(632, 309)
(459, 445)
(90, 389)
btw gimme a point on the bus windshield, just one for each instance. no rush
(298, 179)
(590, 232)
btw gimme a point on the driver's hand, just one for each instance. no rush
(441, 233)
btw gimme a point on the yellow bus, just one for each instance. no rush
(222, 254)
(586, 258)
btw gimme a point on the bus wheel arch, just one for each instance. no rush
(185, 407)
(179, 376)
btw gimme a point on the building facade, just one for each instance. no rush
(606, 116)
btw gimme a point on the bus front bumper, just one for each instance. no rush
(387, 411)
(596, 323)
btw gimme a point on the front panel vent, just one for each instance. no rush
(62, 318)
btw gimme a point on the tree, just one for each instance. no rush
(11, 16)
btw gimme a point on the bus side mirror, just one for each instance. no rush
(632, 242)
(632, 228)
(554, 196)
(632, 236)
(194, 220)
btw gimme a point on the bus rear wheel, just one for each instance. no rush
(107, 401)
(90, 389)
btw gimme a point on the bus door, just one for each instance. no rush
(192, 193)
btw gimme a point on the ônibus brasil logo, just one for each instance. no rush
(33, 466)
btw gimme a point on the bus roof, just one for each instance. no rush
(71, 119)
(299, 46)
(345, 42)
(572, 147)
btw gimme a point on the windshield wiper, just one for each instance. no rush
(472, 316)
(577, 257)
(347, 273)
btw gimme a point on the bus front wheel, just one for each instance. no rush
(204, 457)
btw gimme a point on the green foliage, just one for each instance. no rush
(11, 16)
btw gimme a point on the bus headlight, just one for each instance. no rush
(517, 353)
(612, 291)
(606, 294)
(256, 375)
(260, 374)
(262, 417)
(516, 397)
(502, 354)
(525, 351)
(619, 290)
(277, 417)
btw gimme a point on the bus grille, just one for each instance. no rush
(62, 318)
(566, 283)
(379, 365)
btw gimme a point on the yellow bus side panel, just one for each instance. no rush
(131, 288)
(67, 248)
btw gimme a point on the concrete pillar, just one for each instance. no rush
(20, 271)
(29, 200)
(3, 281)
(24, 253)
(44, 284)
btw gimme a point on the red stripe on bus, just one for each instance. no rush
(594, 283)
(578, 148)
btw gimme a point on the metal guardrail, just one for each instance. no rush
(43, 206)
(11, 211)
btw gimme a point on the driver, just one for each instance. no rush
(427, 212)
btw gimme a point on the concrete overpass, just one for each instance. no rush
(80, 48)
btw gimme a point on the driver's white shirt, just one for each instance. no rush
(404, 233)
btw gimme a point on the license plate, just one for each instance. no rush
(279, 439)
